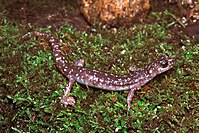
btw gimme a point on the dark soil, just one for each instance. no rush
(44, 13)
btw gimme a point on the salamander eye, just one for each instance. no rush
(164, 63)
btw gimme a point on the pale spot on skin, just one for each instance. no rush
(115, 82)
(70, 71)
(55, 46)
(150, 71)
(107, 82)
(95, 78)
(101, 80)
(63, 62)
(119, 79)
(59, 58)
(121, 83)
(136, 80)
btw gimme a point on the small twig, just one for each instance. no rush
(177, 20)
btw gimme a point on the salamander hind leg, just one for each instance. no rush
(79, 63)
(130, 96)
(68, 100)
(132, 69)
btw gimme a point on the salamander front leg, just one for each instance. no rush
(66, 100)
(130, 96)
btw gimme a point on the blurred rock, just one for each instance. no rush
(114, 13)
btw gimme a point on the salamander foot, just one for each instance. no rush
(65, 101)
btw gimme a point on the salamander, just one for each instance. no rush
(100, 79)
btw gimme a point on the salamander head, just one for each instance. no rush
(160, 65)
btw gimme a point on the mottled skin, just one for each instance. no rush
(101, 79)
